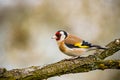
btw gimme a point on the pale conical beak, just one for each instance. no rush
(54, 37)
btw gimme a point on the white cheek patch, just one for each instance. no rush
(62, 33)
(62, 36)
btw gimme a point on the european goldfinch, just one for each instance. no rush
(72, 45)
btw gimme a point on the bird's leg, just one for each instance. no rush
(79, 57)
(76, 57)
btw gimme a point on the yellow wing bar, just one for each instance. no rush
(80, 45)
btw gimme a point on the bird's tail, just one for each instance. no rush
(98, 47)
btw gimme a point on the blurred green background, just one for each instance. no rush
(26, 28)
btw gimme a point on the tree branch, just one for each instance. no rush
(113, 47)
(77, 65)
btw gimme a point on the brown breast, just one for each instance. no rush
(62, 46)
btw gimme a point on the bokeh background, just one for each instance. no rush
(26, 28)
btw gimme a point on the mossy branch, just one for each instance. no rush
(77, 65)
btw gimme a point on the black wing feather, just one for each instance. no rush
(90, 45)
(84, 43)
(71, 46)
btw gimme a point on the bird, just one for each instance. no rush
(72, 45)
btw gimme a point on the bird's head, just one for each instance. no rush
(60, 35)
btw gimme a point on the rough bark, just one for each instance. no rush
(67, 66)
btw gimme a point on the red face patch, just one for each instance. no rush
(58, 35)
